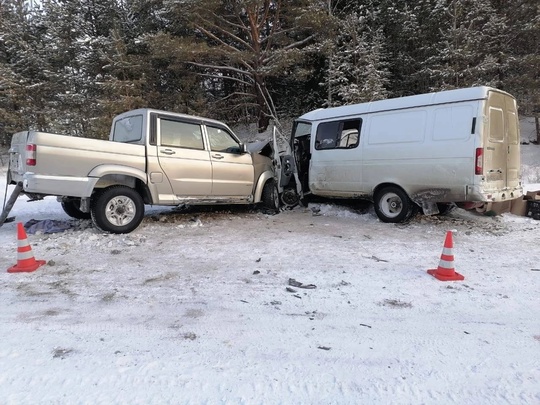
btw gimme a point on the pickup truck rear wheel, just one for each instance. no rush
(270, 195)
(71, 206)
(117, 209)
(393, 205)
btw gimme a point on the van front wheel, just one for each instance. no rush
(393, 205)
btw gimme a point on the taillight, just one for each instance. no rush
(479, 161)
(31, 154)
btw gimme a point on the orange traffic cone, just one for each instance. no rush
(445, 271)
(25, 259)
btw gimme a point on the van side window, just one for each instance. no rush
(181, 134)
(338, 134)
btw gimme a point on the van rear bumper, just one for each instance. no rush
(477, 193)
(58, 185)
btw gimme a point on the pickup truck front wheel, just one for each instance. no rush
(270, 196)
(117, 209)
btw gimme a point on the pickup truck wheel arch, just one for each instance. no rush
(270, 195)
(263, 179)
(117, 209)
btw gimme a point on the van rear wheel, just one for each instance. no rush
(393, 205)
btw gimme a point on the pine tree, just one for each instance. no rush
(522, 78)
(357, 67)
(25, 85)
(473, 49)
(243, 44)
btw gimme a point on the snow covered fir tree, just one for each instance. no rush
(69, 66)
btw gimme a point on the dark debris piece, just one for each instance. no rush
(294, 283)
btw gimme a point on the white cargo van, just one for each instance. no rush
(458, 146)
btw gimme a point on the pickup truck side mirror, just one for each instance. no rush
(239, 150)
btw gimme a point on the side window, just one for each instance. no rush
(338, 134)
(128, 129)
(181, 134)
(222, 141)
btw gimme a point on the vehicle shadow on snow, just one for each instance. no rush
(318, 206)
(194, 212)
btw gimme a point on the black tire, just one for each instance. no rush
(290, 198)
(71, 206)
(445, 208)
(393, 205)
(270, 196)
(117, 209)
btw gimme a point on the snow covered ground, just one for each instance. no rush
(195, 307)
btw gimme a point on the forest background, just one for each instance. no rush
(69, 66)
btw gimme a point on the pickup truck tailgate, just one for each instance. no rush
(17, 156)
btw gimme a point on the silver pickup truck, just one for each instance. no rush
(152, 157)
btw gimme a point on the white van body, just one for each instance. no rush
(459, 146)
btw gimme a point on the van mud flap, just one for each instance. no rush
(9, 205)
(427, 199)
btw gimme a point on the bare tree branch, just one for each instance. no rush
(218, 67)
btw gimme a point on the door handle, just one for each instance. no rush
(217, 156)
(168, 152)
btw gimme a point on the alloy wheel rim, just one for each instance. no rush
(120, 210)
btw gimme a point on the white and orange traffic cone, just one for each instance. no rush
(26, 262)
(446, 271)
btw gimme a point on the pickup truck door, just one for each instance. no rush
(232, 170)
(183, 157)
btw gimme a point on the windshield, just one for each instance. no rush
(128, 129)
(301, 129)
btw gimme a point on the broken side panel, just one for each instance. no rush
(301, 146)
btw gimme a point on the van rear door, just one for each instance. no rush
(501, 160)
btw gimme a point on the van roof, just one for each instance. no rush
(441, 97)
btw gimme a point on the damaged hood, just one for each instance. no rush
(262, 148)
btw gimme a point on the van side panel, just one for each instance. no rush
(426, 151)
(430, 145)
(336, 172)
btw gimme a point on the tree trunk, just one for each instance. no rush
(537, 121)
(263, 113)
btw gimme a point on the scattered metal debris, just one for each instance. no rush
(298, 284)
